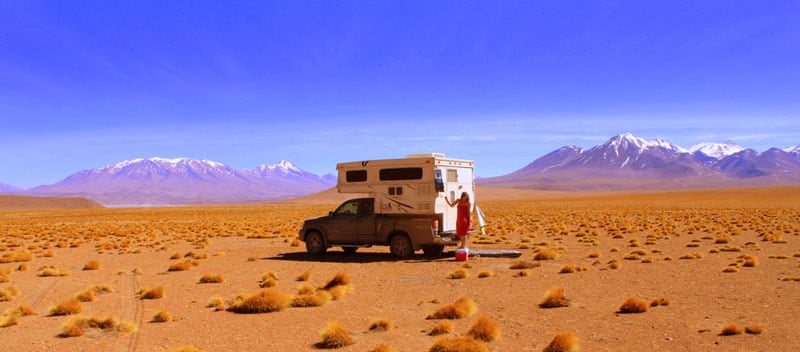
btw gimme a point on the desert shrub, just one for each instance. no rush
(78, 325)
(462, 308)
(633, 305)
(723, 239)
(8, 293)
(338, 286)
(216, 303)
(442, 327)
(754, 329)
(305, 276)
(381, 324)
(314, 299)
(564, 341)
(161, 316)
(4, 277)
(485, 273)
(183, 265)
(523, 264)
(211, 278)
(594, 255)
(659, 302)
(334, 335)
(458, 344)
(151, 293)
(21, 256)
(731, 329)
(567, 269)
(68, 307)
(52, 272)
(546, 254)
(554, 298)
(86, 296)
(730, 269)
(264, 301)
(750, 261)
(484, 328)
(458, 274)
(9, 320)
(305, 289)
(91, 265)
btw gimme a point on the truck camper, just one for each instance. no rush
(406, 207)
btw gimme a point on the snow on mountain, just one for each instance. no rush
(716, 150)
(795, 151)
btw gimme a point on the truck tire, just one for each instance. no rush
(315, 243)
(401, 246)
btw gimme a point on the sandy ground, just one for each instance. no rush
(702, 299)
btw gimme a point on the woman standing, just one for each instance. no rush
(463, 217)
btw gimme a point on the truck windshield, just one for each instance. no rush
(349, 208)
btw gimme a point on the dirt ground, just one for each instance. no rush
(702, 298)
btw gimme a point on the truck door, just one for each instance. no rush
(365, 221)
(342, 226)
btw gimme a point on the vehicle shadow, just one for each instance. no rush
(366, 257)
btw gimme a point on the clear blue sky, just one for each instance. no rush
(84, 84)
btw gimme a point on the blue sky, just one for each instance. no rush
(84, 84)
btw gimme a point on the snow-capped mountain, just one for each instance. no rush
(6, 188)
(716, 150)
(795, 151)
(161, 181)
(629, 162)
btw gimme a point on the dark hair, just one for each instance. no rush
(465, 194)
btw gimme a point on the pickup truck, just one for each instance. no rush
(355, 224)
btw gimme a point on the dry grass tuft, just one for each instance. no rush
(8, 293)
(458, 274)
(442, 327)
(264, 301)
(564, 341)
(52, 272)
(340, 279)
(9, 320)
(314, 299)
(458, 344)
(523, 264)
(68, 307)
(730, 269)
(484, 329)
(633, 305)
(92, 265)
(78, 325)
(567, 269)
(462, 308)
(305, 276)
(305, 289)
(161, 316)
(334, 335)
(21, 256)
(485, 273)
(731, 329)
(754, 329)
(750, 261)
(86, 296)
(554, 298)
(211, 278)
(659, 302)
(546, 254)
(183, 265)
(381, 324)
(151, 293)
(216, 302)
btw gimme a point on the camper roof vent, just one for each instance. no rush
(426, 155)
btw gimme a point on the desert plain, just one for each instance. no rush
(711, 270)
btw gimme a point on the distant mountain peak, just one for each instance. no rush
(6, 188)
(717, 150)
(627, 140)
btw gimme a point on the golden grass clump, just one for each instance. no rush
(381, 324)
(4, 277)
(52, 272)
(211, 278)
(723, 239)
(338, 286)
(462, 308)
(523, 264)
(754, 329)
(546, 254)
(91, 265)
(659, 302)
(750, 261)
(151, 293)
(730, 269)
(305, 276)
(484, 328)
(68, 307)
(217, 303)
(554, 298)
(21, 256)
(458, 344)
(485, 273)
(264, 301)
(441, 328)
(306, 289)
(86, 296)
(633, 305)
(8, 293)
(334, 335)
(567, 269)
(183, 265)
(12, 315)
(564, 341)
(731, 329)
(314, 299)
(78, 325)
(161, 316)
(458, 274)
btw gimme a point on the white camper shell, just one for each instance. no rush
(412, 185)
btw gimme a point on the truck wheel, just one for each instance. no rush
(315, 244)
(401, 246)
(433, 251)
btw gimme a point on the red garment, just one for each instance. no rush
(463, 219)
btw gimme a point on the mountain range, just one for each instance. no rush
(627, 162)
(160, 181)
(624, 162)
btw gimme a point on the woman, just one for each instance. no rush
(463, 217)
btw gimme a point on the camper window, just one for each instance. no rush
(406, 173)
(452, 175)
(356, 176)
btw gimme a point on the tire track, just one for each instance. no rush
(132, 309)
